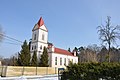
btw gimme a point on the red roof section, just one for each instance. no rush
(40, 22)
(62, 51)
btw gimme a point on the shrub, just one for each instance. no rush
(92, 71)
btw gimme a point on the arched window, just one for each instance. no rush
(32, 47)
(60, 61)
(35, 46)
(55, 60)
(41, 47)
(65, 61)
(43, 36)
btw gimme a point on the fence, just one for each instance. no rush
(10, 71)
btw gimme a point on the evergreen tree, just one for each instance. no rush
(25, 54)
(34, 59)
(44, 58)
(76, 50)
(30, 43)
(69, 50)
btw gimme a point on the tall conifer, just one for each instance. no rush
(44, 58)
(34, 59)
(25, 54)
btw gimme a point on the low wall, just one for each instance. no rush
(10, 71)
(0, 70)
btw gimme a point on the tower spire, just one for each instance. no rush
(40, 22)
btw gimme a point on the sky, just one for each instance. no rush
(70, 23)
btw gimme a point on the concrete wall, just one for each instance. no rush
(19, 70)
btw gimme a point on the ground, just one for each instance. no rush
(45, 77)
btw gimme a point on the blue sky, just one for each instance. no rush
(70, 22)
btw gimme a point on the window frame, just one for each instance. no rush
(65, 61)
(35, 36)
(60, 61)
(55, 60)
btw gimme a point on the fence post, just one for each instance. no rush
(23, 71)
(36, 70)
(55, 70)
(4, 71)
(1, 70)
(46, 70)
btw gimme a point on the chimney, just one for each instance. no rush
(50, 47)
(74, 53)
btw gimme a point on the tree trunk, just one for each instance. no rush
(109, 52)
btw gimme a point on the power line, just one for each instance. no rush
(10, 38)
(12, 43)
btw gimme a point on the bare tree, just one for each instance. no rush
(101, 56)
(87, 54)
(108, 34)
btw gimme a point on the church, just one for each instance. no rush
(57, 57)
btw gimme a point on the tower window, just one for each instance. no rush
(41, 47)
(32, 47)
(43, 36)
(35, 37)
(35, 47)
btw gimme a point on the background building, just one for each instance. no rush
(0, 63)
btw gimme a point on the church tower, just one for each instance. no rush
(39, 37)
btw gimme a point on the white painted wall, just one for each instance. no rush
(45, 33)
(43, 27)
(53, 55)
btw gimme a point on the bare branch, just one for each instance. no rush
(108, 34)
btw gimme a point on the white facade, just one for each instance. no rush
(59, 60)
(57, 57)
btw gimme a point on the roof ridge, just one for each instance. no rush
(62, 51)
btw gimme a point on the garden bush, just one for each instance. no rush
(92, 71)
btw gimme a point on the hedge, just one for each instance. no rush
(92, 71)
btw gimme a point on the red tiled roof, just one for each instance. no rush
(40, 22)
(62, 51)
